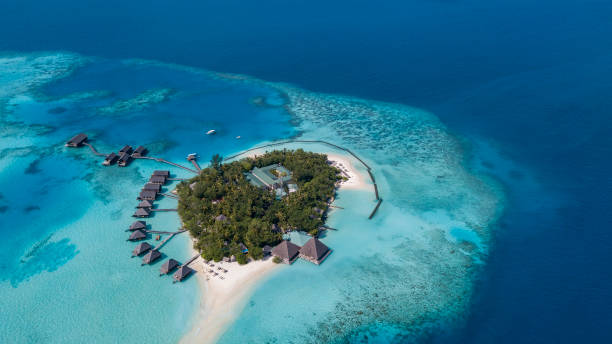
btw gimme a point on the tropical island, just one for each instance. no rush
(240, 209)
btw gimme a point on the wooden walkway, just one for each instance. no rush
(164, 209)
(165, 162)
(177, 179)
(94, 150)
(166, 240)
(368, 168)
(168, 195)
(195, 164)
(191, 260)
(163, 232)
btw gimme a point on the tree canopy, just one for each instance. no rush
(224, 211)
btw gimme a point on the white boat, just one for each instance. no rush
(238, 137)
(211, 132)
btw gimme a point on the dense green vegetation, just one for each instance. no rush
(254, 217)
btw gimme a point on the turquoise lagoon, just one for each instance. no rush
(66, 272)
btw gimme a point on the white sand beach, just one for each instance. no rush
(222, 300)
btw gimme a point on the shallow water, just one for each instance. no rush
(392, 278)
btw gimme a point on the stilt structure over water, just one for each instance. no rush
(77, 140)
(138, 225)
(141, 248)
(137, 235)
(168, 266)
(151, 257)
(182, 273)
(142, 212)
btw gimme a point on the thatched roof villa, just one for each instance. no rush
(314, 251)
(287, 251)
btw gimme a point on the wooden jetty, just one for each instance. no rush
(163, 209)
(168, 239)
(163, 232)
(193, 160)
(166, 162)
(169, 195)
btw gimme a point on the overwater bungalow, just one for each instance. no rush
(126, 149)
(155, 179)
(147, 195)
(138, 225)
(161, 173)
(287, 251)
(168, 266)
(145, 204)
(141, 248)
(140, 151)
(124, 159)
(77, 140)
(142, 212)
(151, 256)
(137, 235)
(151, 186)
(182, 273)
(314, 251)
(110, 159)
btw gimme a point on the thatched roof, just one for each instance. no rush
(127, 149)
(151, 256)
(182, 272)
(168, 266)
(145, 204)
(221, 218)
(142, 212)
(137, 235)
(147, 195)
(138, 225)
(156, 179)
(141, 248)
(314, 249)
(161, 173)
(286, 250)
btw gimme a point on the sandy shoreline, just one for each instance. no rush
(222, 300)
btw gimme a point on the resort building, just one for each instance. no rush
(314, 251)
(272, 177)
(147, 195)
(157, 179)
(287, 251)
(140, 151)
(151, 186)
(151, 256)
(145, 204)
(142, 212)
(77, 141)
(126, 150)
(137, 235)
(161, 173)
(141, 248)
(138, 225)
(182, 273)
(168, 266)
(124, 159)
(110, 159)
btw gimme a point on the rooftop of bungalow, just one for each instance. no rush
(145, 204)
(138, 225)
(182, 273)
(141, 248)
(287, 251)
(314, 251)
(77, 140)
(140, 151)
(126, 149)
(168, 266)
(161, 173)
(147, 195)
(152, 186)
(137, 235)
(142, 212)
(157, 179)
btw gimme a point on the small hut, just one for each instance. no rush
(142, 212)
(155, 179)
(140, 151)
(145, 204)
(110, 159)
(314, 251)
(182, 273)
(77, 140)
(161, 173)
(168, 266)
(124, 159)
(221, 218)
(151, 256)
(127, 149)
(137, 235)
(151, 186)
(138, 225)
(287, 251)
(147, 195)
(141, 248)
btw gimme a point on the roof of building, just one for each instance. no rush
(157, 179)
(265, 176)
(147, 194)
(140, 150)
(221, 218)
(161, 173)
(182, 272)
(111, 157)
(137, 235)
(126, 149)
(286, 250)
(138, 225)
(142, 212)
(314, 248)
(151, 256)
(152, 186)
(145, 204)
(267, 249)
(124, 157)
(168, 266)
(78, 139)
(142, 248)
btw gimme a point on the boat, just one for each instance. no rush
(211, 132)
(238, 137)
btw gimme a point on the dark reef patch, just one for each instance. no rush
(3, 209)
(33, 167)
(31, 208)
(57, 110)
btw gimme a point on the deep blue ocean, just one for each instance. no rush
(531, 78)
